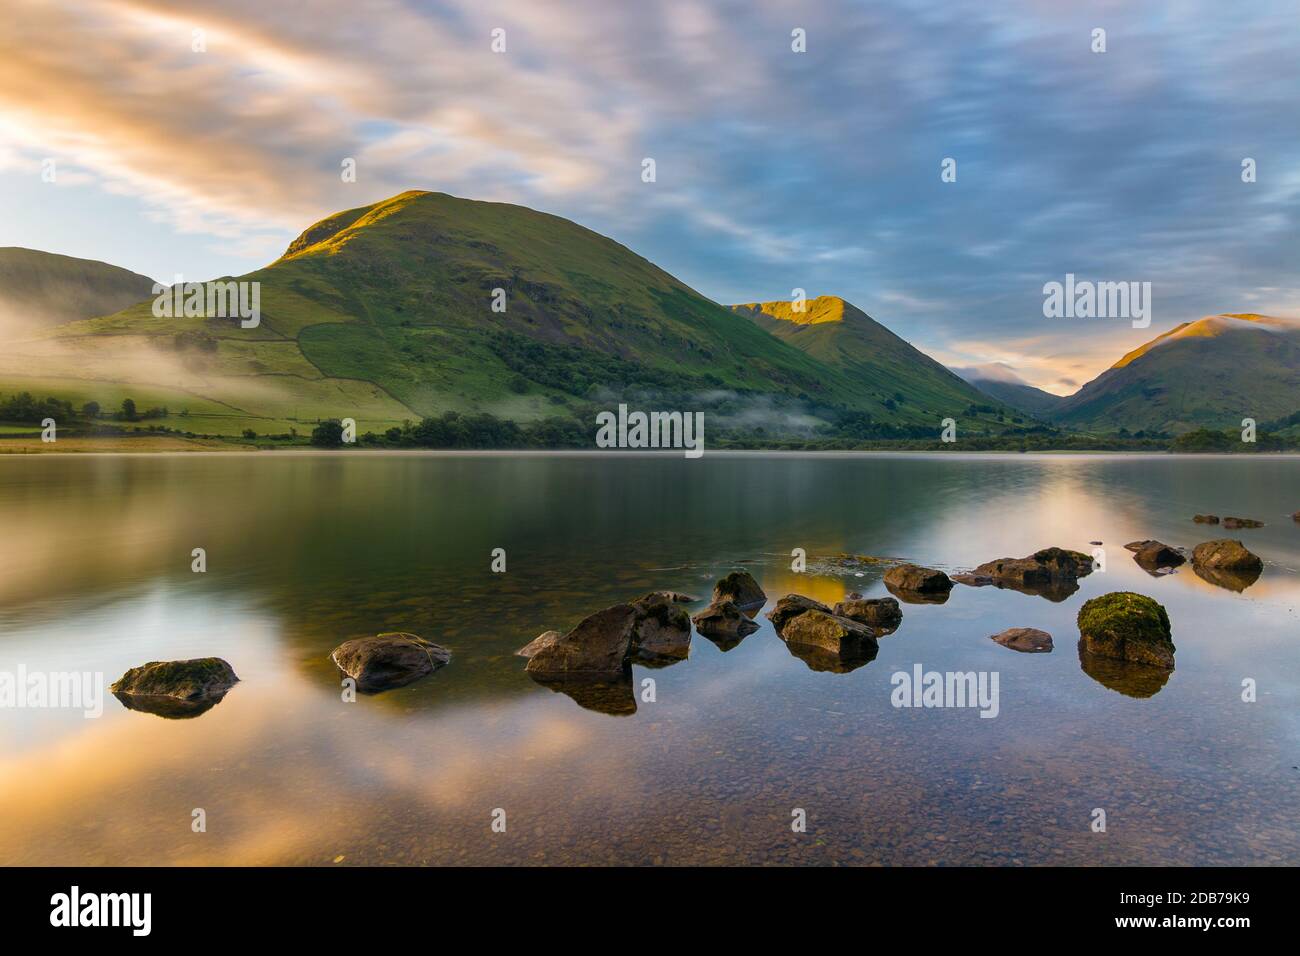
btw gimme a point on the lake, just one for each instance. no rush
(306, 550)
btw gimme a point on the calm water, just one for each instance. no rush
(305, 551)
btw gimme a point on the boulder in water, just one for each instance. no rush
(740, 588)
(1128, 627)
(175, 689)
(390, 660)
(883, 615)
(1028, 640)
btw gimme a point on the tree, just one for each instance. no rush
(128, 409)
(90, 410)
(328, 434)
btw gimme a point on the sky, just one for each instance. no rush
(204, 154)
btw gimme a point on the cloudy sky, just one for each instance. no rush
(776, 170)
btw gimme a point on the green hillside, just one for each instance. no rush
(41, 289)
(1211, 373)
(384, 313)
(895, 379)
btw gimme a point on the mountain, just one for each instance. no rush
(41, 289)
(894, 378)
(1000, 382)
(389, 312)
(1210, 373)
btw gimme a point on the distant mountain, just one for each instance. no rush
(1210, 373)
(41, 289)
(900, 380)
(390, 311)
(999, 381)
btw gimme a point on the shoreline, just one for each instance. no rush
(182, 447)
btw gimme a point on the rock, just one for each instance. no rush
(803, 621)
(661, 633)
(1206, 519)
(1227, 564)
(1128, 627)
(390, 660)
(973, 580)
(672, 597)
(912, 579)
(1139, 545)
(1052, 573)
(883, 615)
(791, 606)
(1295, 516)
(740, 588)
(830, 631)
(545, 639)
(1225, 554)
(724, 621)
(1242, 523)
(1029, 640)
(175, 689)
(599, 647)
(1154, 555)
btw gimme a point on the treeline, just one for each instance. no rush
(453, 430)
(1210, 440)
(23, 409)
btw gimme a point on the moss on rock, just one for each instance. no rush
(1127, 626)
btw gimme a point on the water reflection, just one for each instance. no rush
(1125, 677)
(306, 551)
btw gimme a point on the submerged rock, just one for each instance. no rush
(175, 689)
(740, 588)
(1052, 573)
(1028, 640)
(883, 615)
(1128, 627)
(1153, 555)
(387, 661)
(1226, 563)
(1242, 523)
(1206, 519)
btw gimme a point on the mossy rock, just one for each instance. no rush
(1128, 627)
(185, 680)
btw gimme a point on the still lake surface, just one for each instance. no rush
(305, 550)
